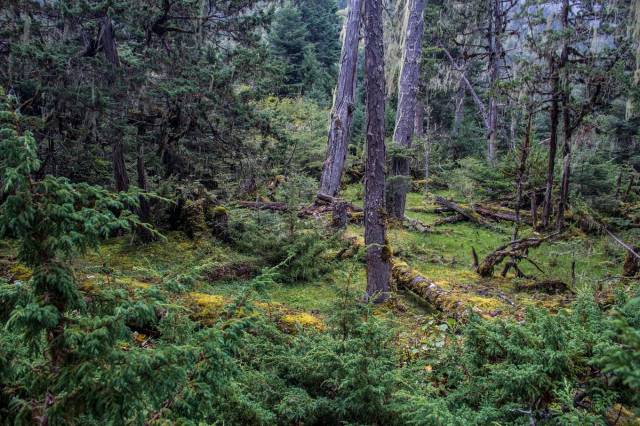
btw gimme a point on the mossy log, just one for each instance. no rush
(477, 213)
(549, 286)
(450, 219)
(416, 225)
(405, 277)
(469, 213)
(324, 199)
(499, 215)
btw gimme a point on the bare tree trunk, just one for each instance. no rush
(427, 148)
(418, 123)
(459, 110)
(405, 113)
(378, 253)
(484, 114)
(343, 104)
(563, 200)
(26, 28)
(495, 27)
(534, 209)
(553, 143)
(513, 128)
(566, 124)
(522, 169)
(119, 169)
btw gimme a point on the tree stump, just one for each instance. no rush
(340, 215)
(220, 224)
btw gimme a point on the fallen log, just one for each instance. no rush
(323, 199)
(549, 286)
(464, 211)
(450, 219)
(416, 225)
(476, 212)
(425, 209)
(500, 215)
(516, 249)
(440, 210)
(437, 297)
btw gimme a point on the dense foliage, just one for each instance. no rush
(161, 231)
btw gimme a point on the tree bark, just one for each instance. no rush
(340, 215)
(566, 122)
(553, 142)
(563, 200)
(459, 109)
(406, 111)
(495, 53)
(144, 208)
(120, 176)
(108, 41)
(378, 253)
(522, 169)
(418, 122)
(343, 105)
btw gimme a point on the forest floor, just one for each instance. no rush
(203, 275)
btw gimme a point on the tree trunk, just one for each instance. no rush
(418, 123)
(119, 169)
(553, 142)
(378, 253)
(566, 123)
(343, 105)
(406, 111)
(144, 208)
(340, 215)
(522, 169)
(495, 27)
(563, 200)
(534, 209)
(108, 41)
(459, 110)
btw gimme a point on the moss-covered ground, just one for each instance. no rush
(204, 274)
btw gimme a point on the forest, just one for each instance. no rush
(320, 212)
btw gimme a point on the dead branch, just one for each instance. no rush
(516, 249)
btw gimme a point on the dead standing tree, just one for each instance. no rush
(343, 104)
(406, 111)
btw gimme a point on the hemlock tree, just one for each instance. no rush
(343, 104)
(53, 220)
(378, 253)
(406, 111)
(288, 40)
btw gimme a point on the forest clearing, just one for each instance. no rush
(319, 212)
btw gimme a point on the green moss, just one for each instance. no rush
(220, 211)
(20, 272)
